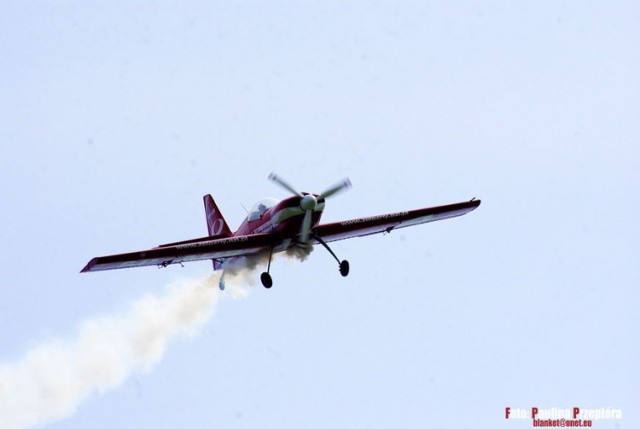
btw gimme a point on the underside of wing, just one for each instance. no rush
(187, 251)
(388, 222)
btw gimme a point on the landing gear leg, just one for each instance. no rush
(221, 282)
(265, 277)
(344, 265)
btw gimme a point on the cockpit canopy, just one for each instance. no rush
(260, 207)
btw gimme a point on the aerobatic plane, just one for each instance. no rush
(275, 226)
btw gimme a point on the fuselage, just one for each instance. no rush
(284, 218)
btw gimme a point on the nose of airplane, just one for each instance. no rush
(308, 202)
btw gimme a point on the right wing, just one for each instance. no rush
(388, 222)
(185, 251)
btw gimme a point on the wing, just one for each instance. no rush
(388, 222)
(186, 251)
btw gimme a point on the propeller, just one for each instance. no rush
(284, 184)
(309, 202)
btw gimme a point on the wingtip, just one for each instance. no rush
(89, 265)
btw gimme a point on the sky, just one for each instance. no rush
(117, 117)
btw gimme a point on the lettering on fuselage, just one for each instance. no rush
(266, 227)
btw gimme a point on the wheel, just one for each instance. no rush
(266, 280)
(344, 268)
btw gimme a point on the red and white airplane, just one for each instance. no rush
(275, 226)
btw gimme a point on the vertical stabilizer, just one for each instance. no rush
(216, 224)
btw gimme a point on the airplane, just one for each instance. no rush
(275, 226)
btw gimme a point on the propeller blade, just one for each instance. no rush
(345, 184)
(306, 226)
(284, 184)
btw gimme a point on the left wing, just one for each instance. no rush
(388, 222)
(191, 250)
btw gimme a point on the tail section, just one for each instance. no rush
(215, 222)
(217, 227)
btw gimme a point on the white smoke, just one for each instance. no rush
(52, 379)
(242, 270)
(300, 252)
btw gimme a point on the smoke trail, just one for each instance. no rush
(52, 379)
(300, 252)
(242, 269)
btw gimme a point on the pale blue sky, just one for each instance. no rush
(116, 118)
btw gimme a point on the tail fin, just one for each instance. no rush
(215, 222)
